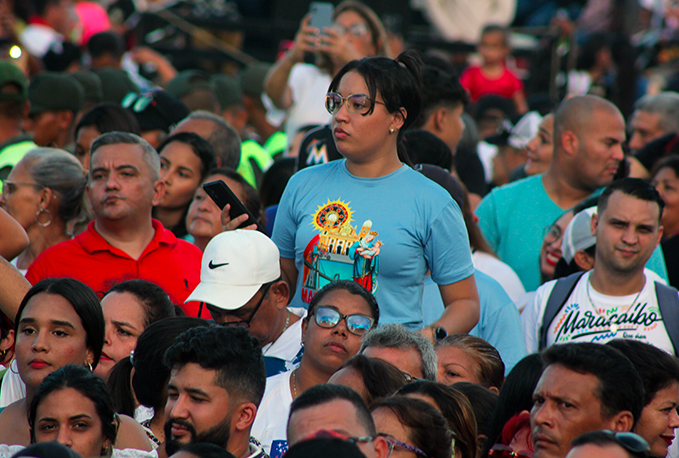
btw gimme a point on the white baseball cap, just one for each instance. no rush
(235, 266)
(578, 234)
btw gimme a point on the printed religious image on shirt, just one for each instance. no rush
(340, 250)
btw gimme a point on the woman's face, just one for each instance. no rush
(541, 148)
(550, 253)
(70, 418)
(50, 336)
(331, 347)
(659, 419)
(455, 365)
(83, 143)
(386, 422)
(667, 184)
(125, 316)
(359, 138)
(20, 198)
(180, 169)
(203, 219)
(357, 32)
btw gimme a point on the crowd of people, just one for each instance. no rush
(407, 260)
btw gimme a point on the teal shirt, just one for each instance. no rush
(513, 217)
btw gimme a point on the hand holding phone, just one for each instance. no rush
(223, 196)
(321, 15)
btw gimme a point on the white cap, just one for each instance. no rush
(524, 130)
(235, 266)
(578, 234)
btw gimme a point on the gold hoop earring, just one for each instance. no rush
(37, 217)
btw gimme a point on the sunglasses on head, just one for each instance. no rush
(630, 441)
(327, 316)
(140, 102)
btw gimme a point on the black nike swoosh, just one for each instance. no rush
(214, 266)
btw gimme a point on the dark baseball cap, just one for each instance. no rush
(11, 74)
(116, 84)
(444, 179)
(50, 91)
(188, 81)
(91, 82)
(228, 91)
(252, 79)
(157, 110)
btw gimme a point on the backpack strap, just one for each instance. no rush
(560, 293)
(668, 301)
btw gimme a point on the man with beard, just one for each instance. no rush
(216, 384)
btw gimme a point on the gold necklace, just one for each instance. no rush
(294, 384)
(614, 326)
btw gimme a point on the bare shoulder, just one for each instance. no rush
(132, 435)
(14, 428)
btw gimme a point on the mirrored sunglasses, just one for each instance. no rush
(329, 317)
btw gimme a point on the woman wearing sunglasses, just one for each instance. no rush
(413, 428)
(370, 217)
(339, 316)
(45, 193)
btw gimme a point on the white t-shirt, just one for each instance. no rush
(309, 87)
(501, 273)
(271, 421)
(13, 388)
(612, 317)
(288, 344)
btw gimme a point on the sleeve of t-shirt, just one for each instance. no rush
(487, 213)
(285, 226)
(531, 318)
(36, 271)
(447, 247)
(656, 263)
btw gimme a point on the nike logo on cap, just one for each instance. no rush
(214, 266)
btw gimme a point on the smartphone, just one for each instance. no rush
(222, 195)
(321, 15)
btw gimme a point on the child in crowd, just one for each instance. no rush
(493, 77)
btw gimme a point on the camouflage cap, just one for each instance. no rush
(51, 91)
(91, 82)
(252, 79)
(116, 84)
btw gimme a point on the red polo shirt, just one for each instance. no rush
(172, 264)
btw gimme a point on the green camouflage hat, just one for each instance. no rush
(91, 82)
(11, 74)
(190, 80)
(50, 91)
(252, 79)
(228, 91)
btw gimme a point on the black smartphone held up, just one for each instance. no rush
(321, 15)
(222, 195)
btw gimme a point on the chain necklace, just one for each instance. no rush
(287, 322)
(614, 326)
(294, 384)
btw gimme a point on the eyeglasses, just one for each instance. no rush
(356, 103)
(10, 187)
(138, 103)
(502, 451)
(357, 440)
(358, 30)
(410, 378)
(327, 316)
(551, 234)
(246, 323)
(394, 443)
(630, 441)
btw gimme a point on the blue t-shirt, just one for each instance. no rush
(499, 323)
(513, 217)
(384, 233)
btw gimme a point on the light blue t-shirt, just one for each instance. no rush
(513, 217)
(384, 233)
(499, 323)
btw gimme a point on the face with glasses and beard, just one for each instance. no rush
(195, 409)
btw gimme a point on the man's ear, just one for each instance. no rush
(570, 143)
(583, 260)
(622, 421)
(244, 416)
(440, 116)
(65, 119)
(594, 222)
(281, 291)
(381, 447)
(158, 192)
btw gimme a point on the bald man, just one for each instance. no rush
(588, 135)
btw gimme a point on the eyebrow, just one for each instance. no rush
(53, 322)
(196, 391)
(123, 323)
(74, 417)
(117, 169)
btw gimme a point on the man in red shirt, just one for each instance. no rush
(123, 241)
